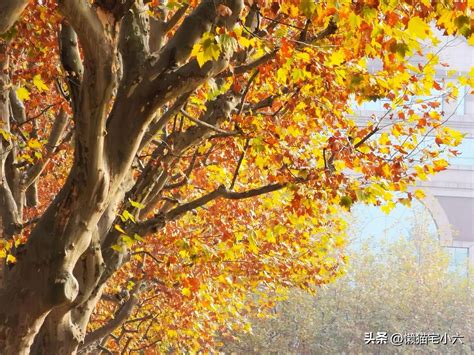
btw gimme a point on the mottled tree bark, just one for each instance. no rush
(52, 290)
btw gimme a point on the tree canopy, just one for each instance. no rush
(160, 160)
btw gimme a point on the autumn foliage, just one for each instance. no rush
(203, 152)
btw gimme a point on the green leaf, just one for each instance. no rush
(346, 202)
(127, 216)
(127, 240)
(308, 7)
(117, 248)
(138, 238)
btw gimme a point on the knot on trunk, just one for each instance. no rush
(65, 288)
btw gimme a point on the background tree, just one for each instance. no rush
(175, 156)
(404, 286)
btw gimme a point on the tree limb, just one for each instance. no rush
(71, 61)
(159, 124)
(119, 318)
(88, 27)
(10, 11)
(158, 222)
(168, 25)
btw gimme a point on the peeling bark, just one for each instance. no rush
(115, 93)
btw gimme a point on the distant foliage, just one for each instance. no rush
(405, 287)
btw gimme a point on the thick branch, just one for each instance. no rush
(71, 61)
(8, 208)
(178, 49)
(18, 109)
(168, 25)
(161, 122)
(10, 11)
(221, 191)
(133, 42)
(118, 8)
(119, 318)
(88, 27)
(329, 30)
(159, 221)
(131, 114)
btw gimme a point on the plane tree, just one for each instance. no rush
(158, 161)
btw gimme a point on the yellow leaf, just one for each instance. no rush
(33, 143)
(120, 229)
(186, 292)
(420, 172)
(282, 75)
(270, 237)
(440, 164)
(339, 165)
(244, 42)
(23, 94)
(418, 28)
(172, 333)
(11, 259)
(337, 58)
(39, 83)
(451, 72)
(384, 139)
(470, 40)
(388, 207)
(6, 135)
(434, 115)
(419, 194)
(253, 245)
(201, 59)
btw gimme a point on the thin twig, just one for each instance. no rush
(149, 254)
(29, 119)
(239, 163)
(247, 88)
(202, 123)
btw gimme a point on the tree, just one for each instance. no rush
(406, 286)
(178, 155)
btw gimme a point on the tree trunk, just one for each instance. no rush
(58, 335)
(46, 267)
